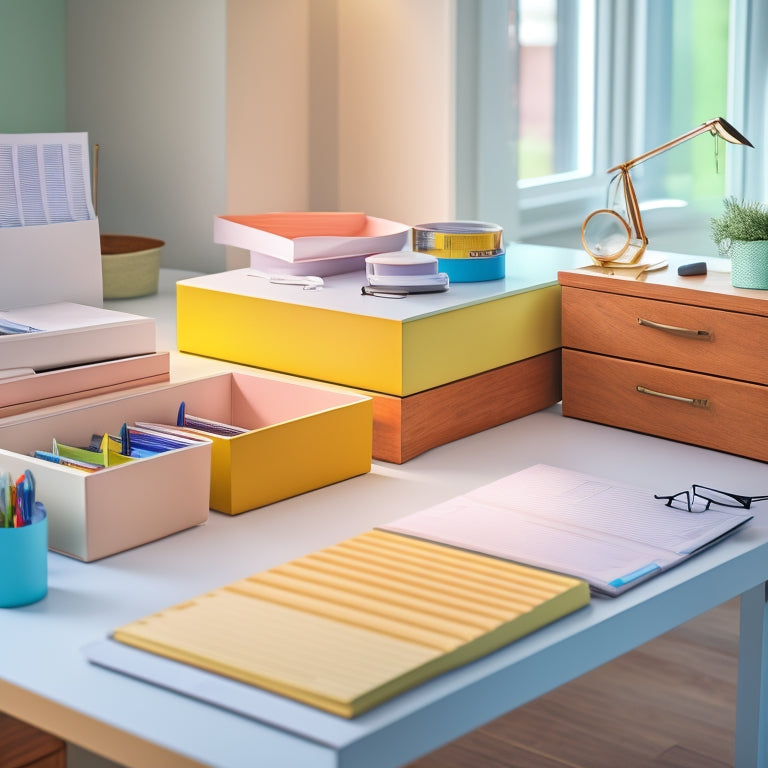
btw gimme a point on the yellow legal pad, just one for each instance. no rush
(348, 627)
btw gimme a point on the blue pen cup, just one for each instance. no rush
(24, 561)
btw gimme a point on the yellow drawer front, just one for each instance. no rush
(467, 341)
(354, 350)
(364, 352)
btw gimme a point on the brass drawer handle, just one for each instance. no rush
(696, 402)
(691, 333)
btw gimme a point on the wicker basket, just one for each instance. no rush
(130, 265)
(749, 263)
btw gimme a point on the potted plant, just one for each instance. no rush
(741, 233)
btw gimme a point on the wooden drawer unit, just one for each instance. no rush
(680, 358)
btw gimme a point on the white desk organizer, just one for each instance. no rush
(49, 233)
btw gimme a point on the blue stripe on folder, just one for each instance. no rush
(635, 575)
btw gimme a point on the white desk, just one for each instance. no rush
(45, 679)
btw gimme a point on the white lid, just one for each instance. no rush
(395, 258)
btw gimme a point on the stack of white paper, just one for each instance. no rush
(49, 233)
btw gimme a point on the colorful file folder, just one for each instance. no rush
(348, 627)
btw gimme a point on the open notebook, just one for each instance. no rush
(613, 536)
(350, 626)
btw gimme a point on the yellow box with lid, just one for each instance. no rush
(394, 347)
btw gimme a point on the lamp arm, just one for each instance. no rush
(635, 220)
(710, 126)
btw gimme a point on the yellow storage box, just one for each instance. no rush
(395, 347)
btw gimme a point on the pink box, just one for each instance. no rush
(25, 393)
(298, 236)
(73, 334)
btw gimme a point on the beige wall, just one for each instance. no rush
(267, 105)
(396, 124)
(340, 105)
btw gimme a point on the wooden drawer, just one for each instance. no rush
(719, 342)
(24, 746)
(726, 415)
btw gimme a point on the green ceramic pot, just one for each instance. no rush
(749, 263)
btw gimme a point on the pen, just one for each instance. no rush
(25, 499)
(18, 517)
(6, 505)
(125, 440)
(29, 493)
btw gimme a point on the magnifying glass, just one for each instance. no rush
(607, 236)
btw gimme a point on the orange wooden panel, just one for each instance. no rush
(697, 339)
(404, 427)
(725, 415)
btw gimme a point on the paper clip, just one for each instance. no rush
(384, 292)
(310, 282)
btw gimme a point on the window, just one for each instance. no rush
(595, 83)
(556, 90)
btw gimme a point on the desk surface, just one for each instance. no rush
(46, 680)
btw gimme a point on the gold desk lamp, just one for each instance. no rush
(611, 239)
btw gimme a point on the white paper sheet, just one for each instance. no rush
(44, 179)
(612, 536)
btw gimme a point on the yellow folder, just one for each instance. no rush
(348, 627)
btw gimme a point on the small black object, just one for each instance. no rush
(697, 268)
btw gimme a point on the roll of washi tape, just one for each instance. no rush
(458, 239)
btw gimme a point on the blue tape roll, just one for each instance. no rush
(474, 270)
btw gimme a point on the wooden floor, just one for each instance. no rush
(669, 704)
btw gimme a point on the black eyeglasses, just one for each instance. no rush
(706, 497)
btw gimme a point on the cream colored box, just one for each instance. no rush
(73, 334)
(49, 263)
(30, 391)
(93, 515)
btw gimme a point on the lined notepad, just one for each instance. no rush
(348, 627)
